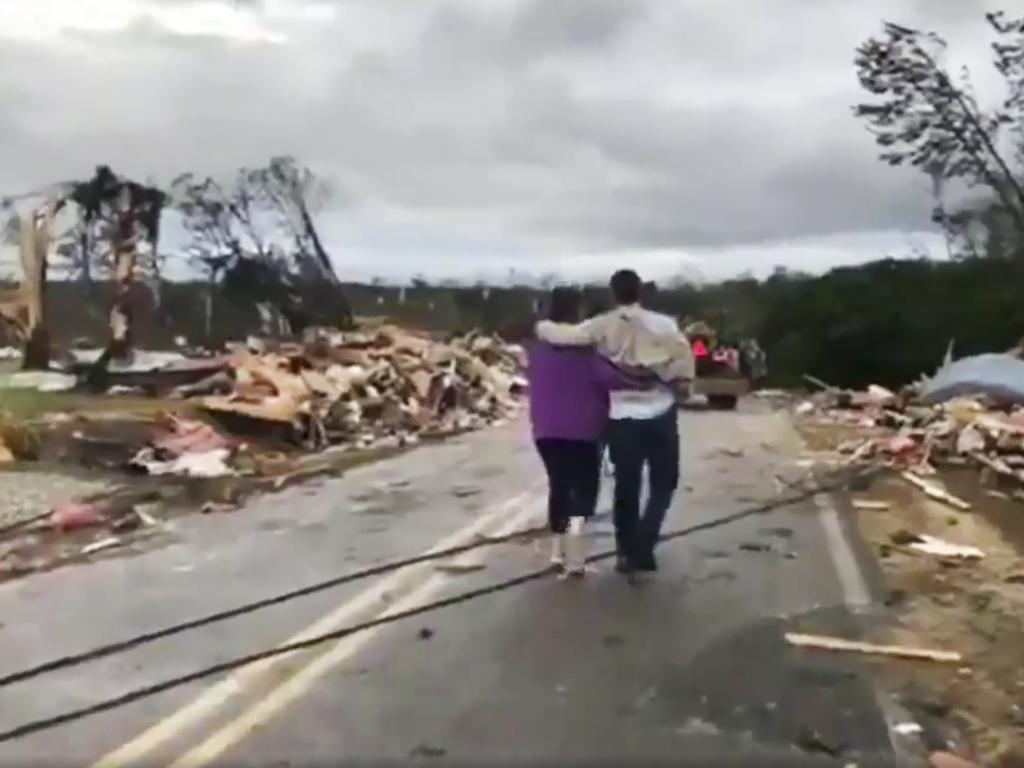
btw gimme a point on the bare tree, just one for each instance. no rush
(256, 237)
(222, 219)
(207, 220)
(292, 193)
(922, 116)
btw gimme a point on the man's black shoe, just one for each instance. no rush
(645, 564)
(622, 564)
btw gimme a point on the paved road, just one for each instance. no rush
(689, 667)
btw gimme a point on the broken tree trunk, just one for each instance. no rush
(320, 253)
(126, 260)
(35, 244)
(120, 319)
(85, 258)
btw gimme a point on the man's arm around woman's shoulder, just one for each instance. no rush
(583, 334)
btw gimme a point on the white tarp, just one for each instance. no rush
(41, 381)
(997, 375)
(140, 361)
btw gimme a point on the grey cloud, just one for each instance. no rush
(500, 116)
(543, 25)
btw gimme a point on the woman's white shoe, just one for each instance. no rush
(575, 548)
(558, 547)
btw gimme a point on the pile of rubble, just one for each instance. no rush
(903, 432)
(378, 387)
(364, 387)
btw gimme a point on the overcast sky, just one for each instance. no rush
(469, 137)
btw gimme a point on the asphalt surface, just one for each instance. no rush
(688, 667)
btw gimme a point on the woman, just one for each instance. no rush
(569, 413)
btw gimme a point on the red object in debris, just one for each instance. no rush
(189, 437)
(948, 760)
(900, 444)
(699, 349)
(68, 517)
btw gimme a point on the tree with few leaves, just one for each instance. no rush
(293, 194)
(126, 215)
(923, 116)
(213, 215)
(257, 232)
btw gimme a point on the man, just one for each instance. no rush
(643, 430)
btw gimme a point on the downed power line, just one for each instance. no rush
(144, 692)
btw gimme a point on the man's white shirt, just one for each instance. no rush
(645, 403)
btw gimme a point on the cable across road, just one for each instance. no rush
(144, 692)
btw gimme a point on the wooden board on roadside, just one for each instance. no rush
(825, 643)
(871, 506)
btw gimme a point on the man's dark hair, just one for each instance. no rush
(564, 305)
(626, 285)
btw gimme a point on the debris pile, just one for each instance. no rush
(377, 387)
(364, 388)
(908, 434)
(187, 448)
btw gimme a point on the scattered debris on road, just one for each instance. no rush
(72, 516)
(428, 751)
(935, 491)
(933, 545)
(103, 544)
(908, 433)
(948, 760)
(908, 729)
(814, 742)
(457, 569)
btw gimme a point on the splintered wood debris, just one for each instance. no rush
(826, 643)
(361, 387)
(914, 436)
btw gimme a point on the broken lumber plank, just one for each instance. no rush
(871, 506)
(996, 465)
(282, 410)
(826, 643)
(935, 492)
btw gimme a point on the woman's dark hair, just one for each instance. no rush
(564, 305)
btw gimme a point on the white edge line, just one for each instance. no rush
(851, 577)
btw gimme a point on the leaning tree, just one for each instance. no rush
(255, 235)
(923, 116)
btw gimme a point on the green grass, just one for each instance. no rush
(17, 405)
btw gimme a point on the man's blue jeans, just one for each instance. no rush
(634, 444)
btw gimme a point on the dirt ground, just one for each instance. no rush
(973, 607)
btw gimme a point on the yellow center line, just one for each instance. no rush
(303, 680)
(213, 698)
